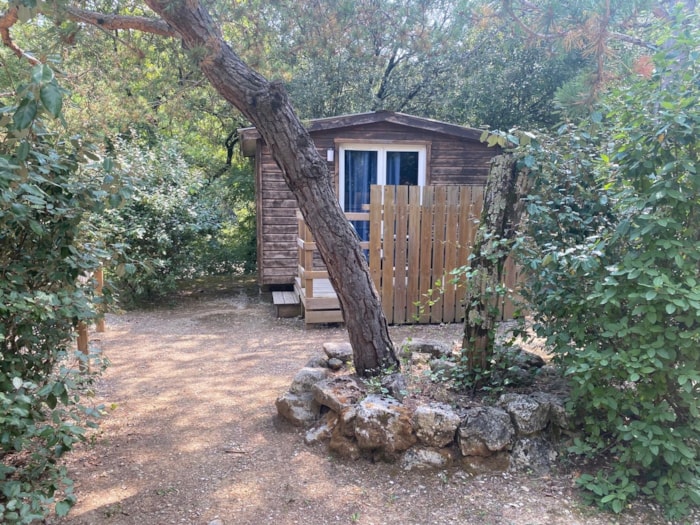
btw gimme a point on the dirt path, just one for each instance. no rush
(193, 436)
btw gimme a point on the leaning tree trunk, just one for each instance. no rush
(268, 108)
(500, 217)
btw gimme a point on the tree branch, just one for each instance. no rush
(115, 22)
(7, 20)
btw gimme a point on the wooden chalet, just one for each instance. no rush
(377, 159)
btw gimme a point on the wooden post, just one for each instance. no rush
(83, 343)
(100, 281)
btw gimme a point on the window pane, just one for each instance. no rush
(360, 174)
(402, 167)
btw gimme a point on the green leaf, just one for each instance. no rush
(25, 113)
(23, 151)
(62, 508)
(51, 98)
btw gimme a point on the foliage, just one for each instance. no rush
(438, 59)
(174, 225)
(603, 36)
(504, 370)
(44, 198)
(614, 266)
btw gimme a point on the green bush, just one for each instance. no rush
(174, 226)
(44, 199)
(615, 279)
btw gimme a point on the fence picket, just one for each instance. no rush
(414, 249)
(389, 217)
(400, 258)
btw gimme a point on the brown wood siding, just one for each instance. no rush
(277, 226)
(454, 162)
(451, 161)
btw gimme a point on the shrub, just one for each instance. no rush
(44, 198)
(615, 279)
(171, 228)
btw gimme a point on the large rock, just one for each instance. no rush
(338, 393)
(342, 351)
(396, 386)
(436, 349)
(443, 369)
(317, 361)
(299, 409)
(557, 412)
(528, 415)
(533, 455)
(519, 357)
(384, 424)
(519, 367)
(435, 424)
(484, 431)
(346, 422)
(306, 378)
(322, 430)
(343, 445)
(417, 458)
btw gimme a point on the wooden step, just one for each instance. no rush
(287, 304)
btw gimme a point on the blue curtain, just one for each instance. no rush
(402, 168)
(393, 168)
(360, 174)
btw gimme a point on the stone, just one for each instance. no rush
(420, 358)
(307, 378)
(299, 409)
(382, 423)
(338, 393)
(557, 412)
(435, 348)
(523, 358)
(395, 385)
(417, 458)
(528, 415)
(443, 368)
(335, 364)
(317, 361)
(520, 367)
(484, 431)
(435, 424)
(342, 351)
(533, 455)
(322, 430)
(344, 446)
(346, 422)
(216, 522)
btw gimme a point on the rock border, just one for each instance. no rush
(336, 407)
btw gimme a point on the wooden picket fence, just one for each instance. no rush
(418, 237)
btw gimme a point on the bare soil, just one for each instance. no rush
(191, 435)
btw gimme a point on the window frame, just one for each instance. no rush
(381, 148)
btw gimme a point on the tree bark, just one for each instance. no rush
(266, 105)
(505, 188)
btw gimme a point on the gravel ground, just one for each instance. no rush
(192, 436)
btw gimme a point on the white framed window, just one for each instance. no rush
(361, 165)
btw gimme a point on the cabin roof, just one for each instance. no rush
(249, 136)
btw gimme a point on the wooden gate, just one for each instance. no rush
(418, 237)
